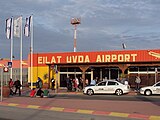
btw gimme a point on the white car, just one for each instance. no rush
(107, 87)
(149, 90)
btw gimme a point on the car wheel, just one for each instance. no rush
(119, 92)
(148, 92)
(90, 92)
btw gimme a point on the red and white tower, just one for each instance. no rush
(75, 22)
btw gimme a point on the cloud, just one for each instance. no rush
(104, 24)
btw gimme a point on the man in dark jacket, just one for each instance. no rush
(17, 85)
(53, 83)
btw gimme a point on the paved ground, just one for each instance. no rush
(80, 106)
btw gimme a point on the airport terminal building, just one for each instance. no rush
(101, 64)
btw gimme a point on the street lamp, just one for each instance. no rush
(75, 22)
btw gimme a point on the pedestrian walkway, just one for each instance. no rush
(52, 104)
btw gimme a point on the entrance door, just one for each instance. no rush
(63, 80)
(63, 76)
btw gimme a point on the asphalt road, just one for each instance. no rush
(13, 113)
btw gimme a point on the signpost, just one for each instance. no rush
(9, 64)
(5, 69)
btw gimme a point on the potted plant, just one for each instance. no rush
(5, 90)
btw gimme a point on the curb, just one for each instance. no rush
(81, 93)
(83, 111)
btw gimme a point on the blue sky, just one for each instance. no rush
(105, 25)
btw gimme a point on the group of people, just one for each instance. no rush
(74, 84)
(39, 83)
(77, 84)
(17, 85)
(39, 93)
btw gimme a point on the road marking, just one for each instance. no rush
(116, 114)
(85, 111)
(56, 109)
(146, 117)
(101, 113)
(12, 104)
(33, 106)
(69, 110)
(154, 118)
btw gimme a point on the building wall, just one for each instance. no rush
(118, 58)
(42, 72)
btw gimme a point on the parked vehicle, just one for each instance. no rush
(149, 90)
(107, 87)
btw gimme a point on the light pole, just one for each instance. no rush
(1, 65)
(75, 22)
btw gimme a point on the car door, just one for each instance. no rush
(157, 88)
(100, 87)
(111, 86)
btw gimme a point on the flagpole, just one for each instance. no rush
(11, 46)
(31, 51)
(21, 52)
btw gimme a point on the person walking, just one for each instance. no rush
(137, 81)
(17, 85)
(76, 84)
(11, 86)
(81, 83)
(68, 83)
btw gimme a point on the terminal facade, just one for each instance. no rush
(102, 64)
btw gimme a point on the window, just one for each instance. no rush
(133, 69)
(158, 84)
(102, 84)
(112, 83)
(143, 68)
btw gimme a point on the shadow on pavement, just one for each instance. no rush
(147, 99)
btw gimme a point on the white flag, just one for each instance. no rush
(17, 26)
(9, 28)
(27, 26)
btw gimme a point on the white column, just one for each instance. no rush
(109, 73)
(21, 55)
(101, 76)
(155, 75)
(75, 38)
(91, 74)
(11, 47)
(31, 51)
